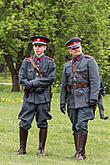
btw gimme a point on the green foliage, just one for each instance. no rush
(59, 20)
(5, 77)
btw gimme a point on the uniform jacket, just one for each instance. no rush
(39, 92)
(86, 73)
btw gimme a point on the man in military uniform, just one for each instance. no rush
(36, 75)
(100, 100)
(79, 92)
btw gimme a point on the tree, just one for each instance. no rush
(16, 27)
(59, 20)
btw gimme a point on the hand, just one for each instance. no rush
(62, 108)
(28, 85)
(93, 103)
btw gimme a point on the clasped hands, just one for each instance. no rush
(28, 85)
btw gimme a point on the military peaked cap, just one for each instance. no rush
(40, 40)
(73, 43)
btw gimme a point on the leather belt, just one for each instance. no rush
(78, 85)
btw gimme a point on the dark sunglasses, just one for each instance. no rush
(74, 48)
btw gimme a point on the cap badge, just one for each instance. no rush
(38, 39)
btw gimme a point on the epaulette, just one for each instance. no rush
(28, 58)
(68, 64)
(88, 56)
(49, 58)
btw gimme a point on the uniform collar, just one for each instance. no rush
(38, 58)
(78, 58)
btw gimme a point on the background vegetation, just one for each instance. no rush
(59, 20)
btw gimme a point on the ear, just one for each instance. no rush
(45, 47)
(69, 51)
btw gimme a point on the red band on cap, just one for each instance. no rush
(37, 40)
(74, 43)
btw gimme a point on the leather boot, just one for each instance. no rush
(81, 143)
(104, 117)
(85, 140)
(42, 140)
(75, 141)
(101, 112)
(23, 134)
(94, 110)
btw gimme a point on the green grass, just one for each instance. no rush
(5, 77)
(60, 145)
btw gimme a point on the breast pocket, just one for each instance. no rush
(69, 74)
(83, 73)
(31, 74)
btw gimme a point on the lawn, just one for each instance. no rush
(5, 77)
(60, 145)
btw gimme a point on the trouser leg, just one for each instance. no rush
(101, 109)
(26, 117)
(101, 112)
(42, 141)
(23, 134)
(100, 106)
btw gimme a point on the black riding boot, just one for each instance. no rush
(23, 134)
(42, 141)
(101, 112)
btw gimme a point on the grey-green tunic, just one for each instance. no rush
(78, 100)
(38, 102)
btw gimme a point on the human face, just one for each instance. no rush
(39, 49)
(75, 52)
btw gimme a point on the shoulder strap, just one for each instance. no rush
(87, 56)
(49, 58)
(35, 67)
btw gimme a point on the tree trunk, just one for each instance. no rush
(15, 83)
(50, 51)
(14, 68)
(14, 73)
